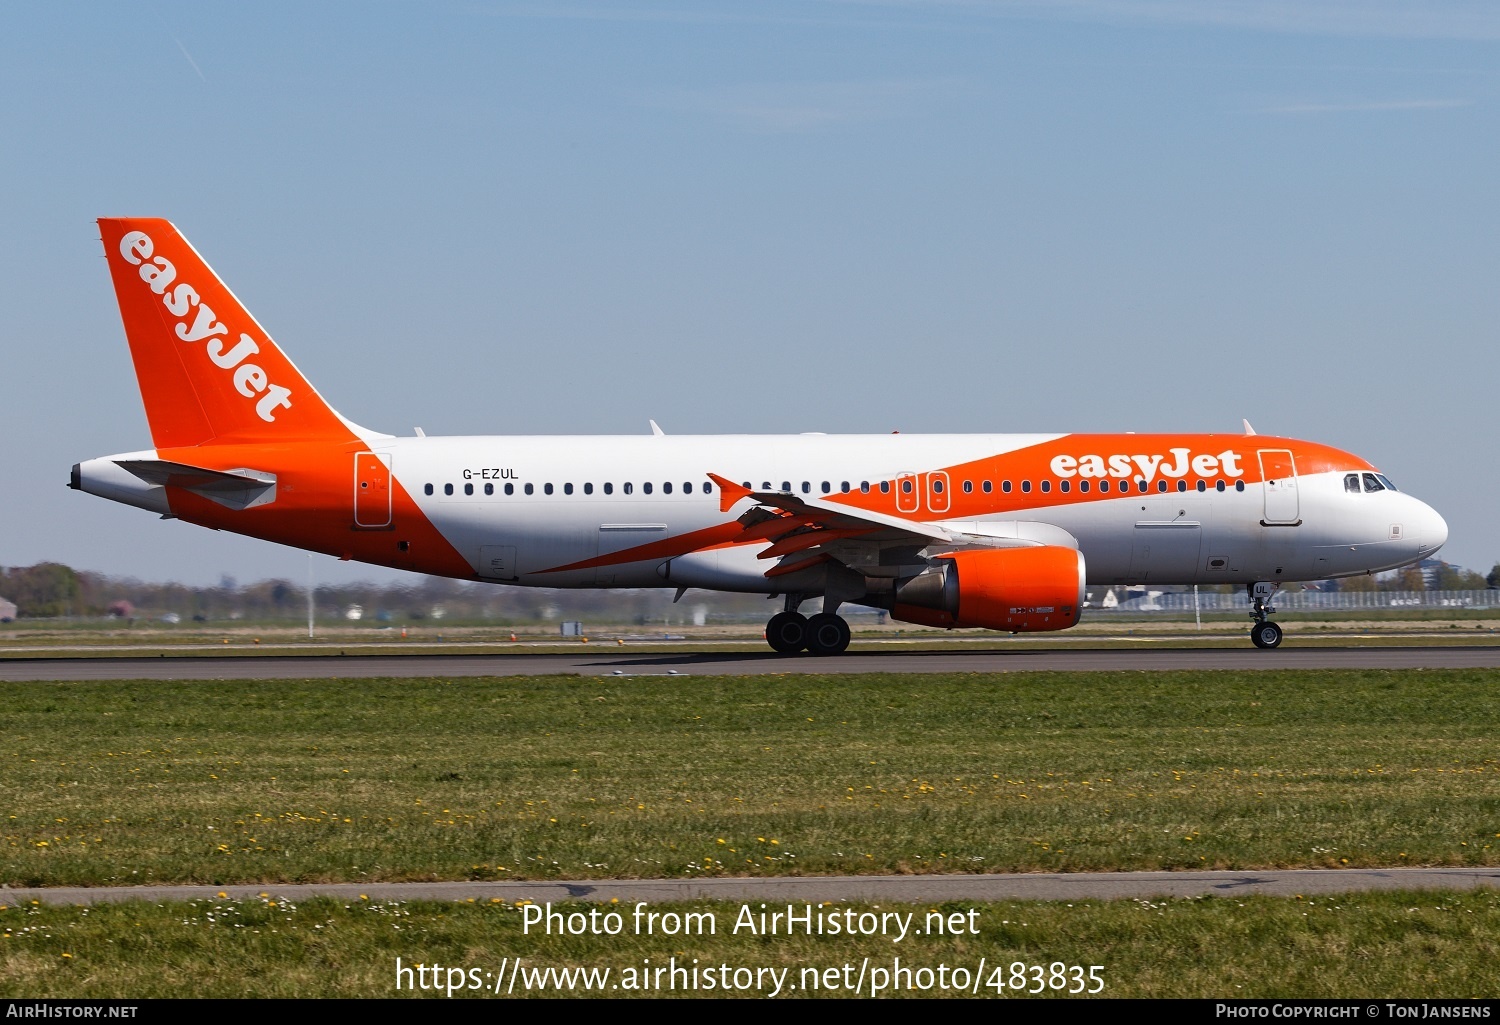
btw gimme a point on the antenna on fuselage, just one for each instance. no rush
(656, 430)
(1248, 428)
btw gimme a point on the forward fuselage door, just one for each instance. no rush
(1279, 472)
(372, 490)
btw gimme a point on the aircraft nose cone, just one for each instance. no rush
(1432, 532)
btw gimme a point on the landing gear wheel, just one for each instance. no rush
(787, 632)
(827, 634)
(1265, 635)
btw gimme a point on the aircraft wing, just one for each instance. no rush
(805, 530)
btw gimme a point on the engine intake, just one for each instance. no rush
(1015, 589)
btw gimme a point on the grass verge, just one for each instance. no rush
(267, 781)
(1434, 945)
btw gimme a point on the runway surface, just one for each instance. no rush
(906, 889)
(599, 662)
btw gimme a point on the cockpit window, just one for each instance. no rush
(1372, 483)
(1386, 481)
(1351, 482)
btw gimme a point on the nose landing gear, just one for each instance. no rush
(1264, 634)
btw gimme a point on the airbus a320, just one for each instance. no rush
(995, 531)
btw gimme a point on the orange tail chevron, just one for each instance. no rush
(208, 372)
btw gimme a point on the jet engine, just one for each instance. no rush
(1015, 589)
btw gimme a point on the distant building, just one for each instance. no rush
(7, 610)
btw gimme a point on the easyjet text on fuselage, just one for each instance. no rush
(1178, 463)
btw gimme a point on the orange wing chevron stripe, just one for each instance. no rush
(720, 535)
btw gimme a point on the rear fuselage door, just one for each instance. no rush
(372, 490)
(1279, 472)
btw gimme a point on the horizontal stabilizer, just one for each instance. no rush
(233, 489)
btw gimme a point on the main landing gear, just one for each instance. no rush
(1264, 634)
(789, 632)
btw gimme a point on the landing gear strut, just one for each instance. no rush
(1264, 634)
(789, 631)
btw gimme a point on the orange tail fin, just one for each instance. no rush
(208, 372)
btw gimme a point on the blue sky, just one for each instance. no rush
(508, 218)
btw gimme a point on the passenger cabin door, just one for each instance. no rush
(1279, 472)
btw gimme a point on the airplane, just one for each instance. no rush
(995, 531)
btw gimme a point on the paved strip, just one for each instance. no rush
(904, 889)
(585, 663)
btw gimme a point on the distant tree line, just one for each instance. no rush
(50, 590)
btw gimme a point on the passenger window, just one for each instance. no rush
(510, 489)
(906, 487)
(786, 486)
(1046, 486)
(968, 487)
(1103, 486)
(666, 488)
(427, 489)
(844, 487)
(646, 487)
(609, 489)
(1161, 486)
(985, 487)
(864, 487)
(1351, 483)
(530, 489)
(1026, 487)
(1083, 487)
(1239, 485)
(588, 489)
(468, 489)
(489, 489)
(807, 487)
(1141, 486)
(708, 488)
(1005, 486)
(1218, 485)
(626, 487)
(546, 489)
(1182, 485)
(1064, 486)
(885, 487)
(447, 489)
(1202, 486)
(827, 487)
(937, 487)
(567, 489)
(765, 485)
(1371, 484)
(687, 487)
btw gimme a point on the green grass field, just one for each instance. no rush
(264, 782)
(1441, 945)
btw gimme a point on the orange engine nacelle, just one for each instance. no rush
(1016, 589)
